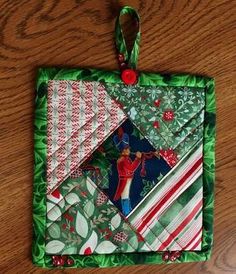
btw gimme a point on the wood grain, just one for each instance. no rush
(195, 36)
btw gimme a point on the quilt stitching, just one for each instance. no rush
(89, 106)
(140, 225)
(166, 180)
(176, 232)
(188, 129)
(187, 203)
(72, 205)
(117, 211)
(170, 140)
(86, 133)
(95, 228)
(198, 115)
(176, 142)
(60, 100)
(75, 166)
(176, 242)
(116, 117)
(39, 256)
(134, 100)
(189, 141)
(64, 152)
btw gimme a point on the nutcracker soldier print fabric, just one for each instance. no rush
(124, 165)
(132, 173)
(126, 168)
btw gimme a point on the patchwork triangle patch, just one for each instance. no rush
(80, 117)
(82, 220)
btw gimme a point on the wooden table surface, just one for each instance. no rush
(195, 36)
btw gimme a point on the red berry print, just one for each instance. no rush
(156, 125)
(56, 194)
(120, 237)
(170, 156)
(123, 65)
(172, 258)
(88, 251)
(177, 254)
(59, 260)
(121, 57)
(70, 261)
(157, 102)
(72, 229)
(166, 256)
(168, 115)
(101, 199)
(68, 217)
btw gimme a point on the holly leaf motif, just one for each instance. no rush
(89, 208)
(115, 221)
(90, 187)
(54, 247)
(105, 247)
(90, 245)
(54, 212)
(81, 225)
(70, 250)
(54, 231)
(72, 198)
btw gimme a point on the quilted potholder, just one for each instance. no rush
(124, 165)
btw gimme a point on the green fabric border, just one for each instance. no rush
(40, 144)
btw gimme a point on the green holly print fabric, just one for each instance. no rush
(81, 220)
(169, 117)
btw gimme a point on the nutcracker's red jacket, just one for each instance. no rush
(126, 169)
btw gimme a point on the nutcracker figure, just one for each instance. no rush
(126, 168)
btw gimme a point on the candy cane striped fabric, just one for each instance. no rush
(80, 117)
(185, 230)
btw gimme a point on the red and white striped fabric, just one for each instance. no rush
(81, 115)
(186, 226)
(183, 228)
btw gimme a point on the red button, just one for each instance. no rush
(129, 76)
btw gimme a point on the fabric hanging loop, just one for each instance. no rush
(130, 59)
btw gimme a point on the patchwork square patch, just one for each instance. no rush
(124, 168)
